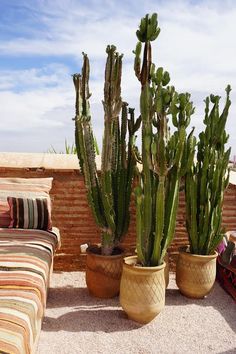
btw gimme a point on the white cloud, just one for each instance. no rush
(28, 109)
(35, 107)
(33, 78)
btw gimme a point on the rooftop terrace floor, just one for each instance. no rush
(75, 322)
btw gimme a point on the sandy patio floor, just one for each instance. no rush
(77, 323)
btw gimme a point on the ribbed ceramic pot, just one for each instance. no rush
(103, 273)
(195, 274)
(142, 290)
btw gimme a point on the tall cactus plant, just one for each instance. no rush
(165, 155)
(109, 191)
(207, 179)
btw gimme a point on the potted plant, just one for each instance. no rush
(205, 183)
(108, 189)
(165, 156)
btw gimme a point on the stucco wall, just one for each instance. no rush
(70, 210)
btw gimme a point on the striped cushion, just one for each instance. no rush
(26, 261)
(29, 213)
(21, 188)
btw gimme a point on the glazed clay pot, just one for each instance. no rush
(103, 273)
(195, 274)
(142, 290)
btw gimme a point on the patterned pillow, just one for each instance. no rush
(29, 213)
(21, 188)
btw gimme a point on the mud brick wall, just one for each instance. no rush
(72, 215)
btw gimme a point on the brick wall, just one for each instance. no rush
(72, 215)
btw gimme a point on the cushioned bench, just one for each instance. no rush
(27, 246)
(26, 263)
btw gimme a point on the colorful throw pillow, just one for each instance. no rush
(21, 188)
(30, 213)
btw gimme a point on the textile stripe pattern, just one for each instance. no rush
(22, 188)
(27, 213)
(26, 262)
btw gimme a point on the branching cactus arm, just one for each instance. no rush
(162, 153)
(108, 192)
(207, 179)
(85, 142)
(148, 31)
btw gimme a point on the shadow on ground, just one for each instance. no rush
(82, 309)
(71, 297)
(107, 321)
(79, 309)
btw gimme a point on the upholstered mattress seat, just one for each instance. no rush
(26, 263)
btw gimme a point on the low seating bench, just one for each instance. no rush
(26, 264)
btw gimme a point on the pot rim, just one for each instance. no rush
(183, 250)
(93, 246)
(134, 264)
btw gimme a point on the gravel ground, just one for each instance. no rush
(75, 322)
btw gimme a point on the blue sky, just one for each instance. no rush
(41, 42)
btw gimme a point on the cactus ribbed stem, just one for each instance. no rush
(163, 153)
(206, 180)
(108, 193)
(160, 221)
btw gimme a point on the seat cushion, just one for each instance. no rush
(26, 261)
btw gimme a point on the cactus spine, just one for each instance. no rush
(108, 192)
(165, 156)
(207, 179)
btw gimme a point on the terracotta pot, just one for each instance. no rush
(195, 274)
(142, 290)
(103, 273)
(167, 269)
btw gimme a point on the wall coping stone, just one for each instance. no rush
(47, 161)
(44, 161)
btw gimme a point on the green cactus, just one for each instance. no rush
(165, 156)
(206, 180)
(108, 192)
